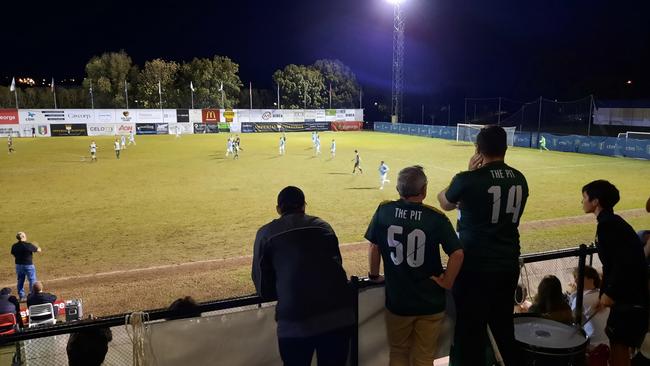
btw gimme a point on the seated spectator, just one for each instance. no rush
(88, 347)
(185, 307)
(37, 296)
(521, 300)
(10, 304)
(550, 301)
(595, 328)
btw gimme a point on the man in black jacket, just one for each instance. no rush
(298, 263)
(38, 297)
(624, 288)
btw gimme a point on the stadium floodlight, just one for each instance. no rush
(397, 87)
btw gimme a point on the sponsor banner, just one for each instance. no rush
(277, 115)
(69, 129)
(8, 117)
(310, 115)
(153, 115)
(11, 130)
(228, 115)
(346, 126)
(243, 115)
(182, 115)
(320, 115)
(330, 112)
(196, 116)
(205, 128)
(79, 115)
(126, 115)
(224, 126)
(210, 116)
(40, 130)
(350, 115)
(180, 128)
(40, 116)
(162, 128)
(145, 128)
(103, 129)
(104, 116)
(358, 115)
(284, 126)
(340, 115)
(170, 116)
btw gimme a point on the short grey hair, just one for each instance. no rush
(411, 181)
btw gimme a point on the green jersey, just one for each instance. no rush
(409, 236)
(491, 201)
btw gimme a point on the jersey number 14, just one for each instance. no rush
(513, 203)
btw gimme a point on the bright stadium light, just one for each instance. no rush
(396, 2)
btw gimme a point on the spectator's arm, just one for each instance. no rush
(444, 203)
(374, 260)
(262, 271)
(607, 240)
(446, 280)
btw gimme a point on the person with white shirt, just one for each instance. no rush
(122, 142)
(383, 173)
(93, 151)
(595, 327)
(117, 148)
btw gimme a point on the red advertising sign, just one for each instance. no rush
(8, 116)
(346, 126)
(210, 115)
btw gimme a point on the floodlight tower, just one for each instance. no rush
(397, 89)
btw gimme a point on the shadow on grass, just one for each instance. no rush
(337, 173)
(361, 188)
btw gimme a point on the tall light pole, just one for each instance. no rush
(397, 90)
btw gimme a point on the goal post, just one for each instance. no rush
(636, 135)
(468, 132)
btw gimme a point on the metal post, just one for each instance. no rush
(580, 285)
(465, 115)
(126, 94)
(539, 119)
(591, 105)
(279, 96)
(422, 120)
(92, 97)
(360, 98)
(397, 87)
(304, 98)
(16, 95)
(448, 114)
(192, 96)
(499, 113)
(354, 342)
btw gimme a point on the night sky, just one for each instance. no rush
(454, 49)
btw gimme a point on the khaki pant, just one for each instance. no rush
(413, 339)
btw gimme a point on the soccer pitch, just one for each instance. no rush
(172, 201)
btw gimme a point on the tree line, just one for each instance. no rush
(214, 82)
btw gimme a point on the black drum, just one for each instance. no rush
(545, 342)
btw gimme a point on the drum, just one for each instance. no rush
(547, 342)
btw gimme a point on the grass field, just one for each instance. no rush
(172, 201)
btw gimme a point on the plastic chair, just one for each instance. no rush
(8, 324)
(42, 314)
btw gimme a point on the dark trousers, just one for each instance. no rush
(331, 348)
(483, 299)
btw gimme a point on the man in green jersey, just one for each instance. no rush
(542, 143)
(407, 234)
(491, 197)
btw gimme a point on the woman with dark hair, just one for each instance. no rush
(550, 301)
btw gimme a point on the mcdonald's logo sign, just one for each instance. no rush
(210, 115)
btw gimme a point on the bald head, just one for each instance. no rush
(38, 287)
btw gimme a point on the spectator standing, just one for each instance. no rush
(625, 286)
(23, 253)
(298, 262)
(407, 235)
(491, 197)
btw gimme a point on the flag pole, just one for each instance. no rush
(330, 95)
(160, 97)
(192, 93)
(12, 88)
(92, 97)
(279, 96)
(126, 93)
(54, 93)
(250, 93)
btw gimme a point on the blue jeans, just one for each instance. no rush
(23, 270)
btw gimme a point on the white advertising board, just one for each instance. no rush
(182, 128)
(79, 115)
(126, 115)
(104, 116)
(12, 130)
(196, 116)
(41, 130)
(110, 129)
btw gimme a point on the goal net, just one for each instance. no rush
(637, 135)
(468, 132)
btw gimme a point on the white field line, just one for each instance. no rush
(524, 225)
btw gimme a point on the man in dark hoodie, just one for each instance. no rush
(298, 263)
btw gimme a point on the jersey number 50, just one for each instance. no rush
(414, 246)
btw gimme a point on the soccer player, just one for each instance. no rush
(117, 148)
(625, 285)
(357, 162)
(93, 151)
(229, 146)
(542, 143)
(132, 138)
(235, 148)
(282, 144)
(407, 235)
(122, 142)
(383, 173)
(317, 145)
(313, 139)
(10, 144)
(491, 196)
(333, 148)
